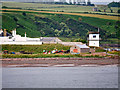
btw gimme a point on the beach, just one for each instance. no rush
(65, 62)
(60, 72)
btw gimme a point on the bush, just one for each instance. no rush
(115, 52)
(114, 4)
(119, 11)
(4, 7)
(99, 50)
(79, 40)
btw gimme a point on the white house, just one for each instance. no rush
(18, 38)
(6, 38)
(94, 39)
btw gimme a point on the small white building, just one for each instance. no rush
(94, 39)
(6, 38)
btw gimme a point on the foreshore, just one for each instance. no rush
(63, 62)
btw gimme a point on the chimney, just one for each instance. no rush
(98, 29)
(5, 33)
(1, 31)
(25, 34)
(41, 38)
(15, 31)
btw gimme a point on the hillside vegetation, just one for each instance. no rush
(114, 4)
(59, 25)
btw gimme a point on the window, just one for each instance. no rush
(94, 36)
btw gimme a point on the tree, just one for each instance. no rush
(4, 7)
(77, 34)
(80, 19)
(119, 11)
(99, 10)
(114, 4)
(24, 13)
(80, 40)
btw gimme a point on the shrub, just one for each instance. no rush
(4, 7)
(99, 50)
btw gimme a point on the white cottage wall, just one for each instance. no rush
(94, 43)
(94, 40)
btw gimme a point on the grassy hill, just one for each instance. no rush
(37, 24)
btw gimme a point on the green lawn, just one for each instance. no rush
(34, 48)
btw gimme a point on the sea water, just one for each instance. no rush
(61, 77)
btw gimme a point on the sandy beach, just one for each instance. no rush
(59, 62)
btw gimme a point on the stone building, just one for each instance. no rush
(77, 49)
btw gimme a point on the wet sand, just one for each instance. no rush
(57, 62)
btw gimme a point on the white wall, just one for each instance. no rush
(70, 43)
(22, 39)
(33, 39)
(19, 38)
(94, 43)
(4, 39)
(91, 37)
(22, 43)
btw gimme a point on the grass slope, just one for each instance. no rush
(47, 24)
(34, 48)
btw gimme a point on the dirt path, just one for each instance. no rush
(79, 14)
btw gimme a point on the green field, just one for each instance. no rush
(49, 56)
(58, 8)
(35, 49)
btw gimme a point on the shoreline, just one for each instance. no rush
(57, 62)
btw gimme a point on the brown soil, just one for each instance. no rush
(45, 62)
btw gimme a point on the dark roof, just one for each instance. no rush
(48, 39)
(7, 34)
